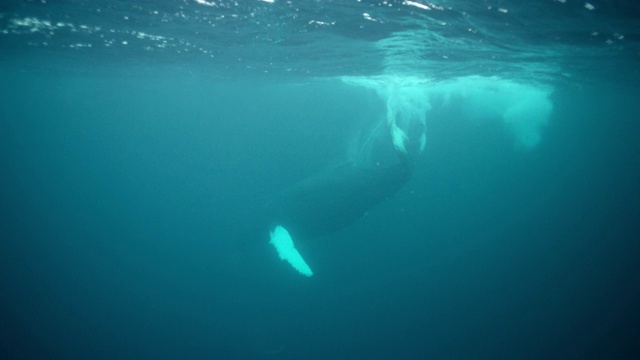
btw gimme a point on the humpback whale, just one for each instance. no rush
(331, 201)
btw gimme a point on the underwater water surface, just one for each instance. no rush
(141, 141)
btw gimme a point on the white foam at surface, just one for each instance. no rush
(407, 101)
(523, 108)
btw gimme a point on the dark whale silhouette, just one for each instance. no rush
(331, 201)
(334, 199)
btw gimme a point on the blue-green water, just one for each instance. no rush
(140, 140)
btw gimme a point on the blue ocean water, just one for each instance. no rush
(140, 140)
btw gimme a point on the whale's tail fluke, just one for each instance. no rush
(282, 241)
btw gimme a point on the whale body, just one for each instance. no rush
(335, 199)
(328, 202)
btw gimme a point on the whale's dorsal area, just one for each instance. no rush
(336, 198)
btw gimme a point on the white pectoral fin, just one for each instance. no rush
(281, 240)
